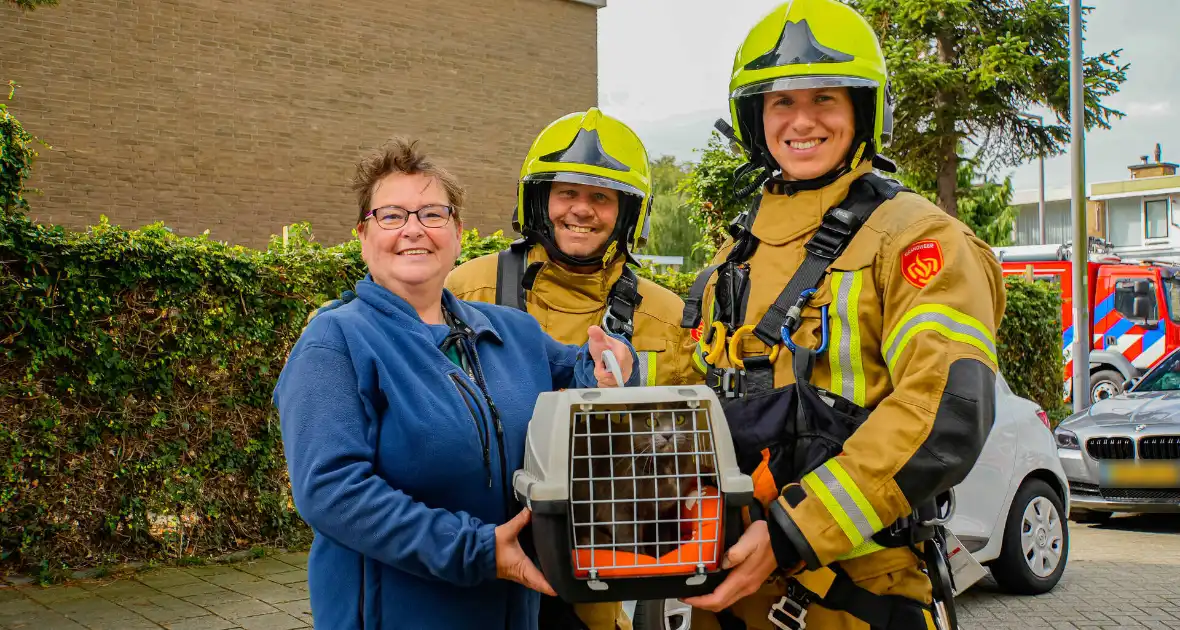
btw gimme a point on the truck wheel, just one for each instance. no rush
(1036, 541)
(1104, 384)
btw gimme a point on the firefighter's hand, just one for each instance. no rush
(600, 341)
(752, 562)
(511, 561)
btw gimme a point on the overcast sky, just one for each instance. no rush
(664, 69)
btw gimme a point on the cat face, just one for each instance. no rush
(661, 432)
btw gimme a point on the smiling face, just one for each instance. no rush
(583, 218)
(410, 258)
(808, 131)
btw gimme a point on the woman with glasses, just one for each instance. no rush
(403, 415)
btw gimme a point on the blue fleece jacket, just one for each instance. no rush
(398, 465)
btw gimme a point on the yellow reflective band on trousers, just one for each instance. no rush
(848, 377)
(944, 320)
(647, 369)
(831, 484)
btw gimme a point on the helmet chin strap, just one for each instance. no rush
(616, 244)
(852, 160)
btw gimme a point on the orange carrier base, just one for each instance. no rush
(601, 575)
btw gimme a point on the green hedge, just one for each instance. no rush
(136, 370)
(1029, 343)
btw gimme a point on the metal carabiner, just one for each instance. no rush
(735, 358)
(786, 334)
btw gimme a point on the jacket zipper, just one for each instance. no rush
(480, 428)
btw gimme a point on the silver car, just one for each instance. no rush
(1123, 453)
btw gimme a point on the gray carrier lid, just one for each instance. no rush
(546, 472)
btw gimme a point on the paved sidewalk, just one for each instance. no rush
(265, 594)
(1125, 574)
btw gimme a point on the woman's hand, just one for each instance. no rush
(600, 341)
(511, 561)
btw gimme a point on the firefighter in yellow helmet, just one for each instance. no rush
(849, 329)
(583, 206)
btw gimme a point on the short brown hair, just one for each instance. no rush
(401, 155)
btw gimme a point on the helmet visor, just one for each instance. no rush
(584, 178)
(802, 83)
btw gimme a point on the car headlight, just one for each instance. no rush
(1066, 439)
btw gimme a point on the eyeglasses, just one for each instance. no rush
(394, 217)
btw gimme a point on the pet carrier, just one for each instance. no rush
(635, 492)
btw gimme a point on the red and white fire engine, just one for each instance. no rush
(1134, 309)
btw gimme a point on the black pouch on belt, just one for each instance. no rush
(801, 426)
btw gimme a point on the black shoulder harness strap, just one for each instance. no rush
(513, 279)
(621, 303)
(743, 247)
(836, 230)
(510, 275)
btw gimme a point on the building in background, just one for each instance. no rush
(1137, 216)
(1140, 211)
(243, 117)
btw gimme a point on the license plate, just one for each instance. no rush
(1140, 474)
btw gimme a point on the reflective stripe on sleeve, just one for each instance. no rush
(832, 485)
(944, 320)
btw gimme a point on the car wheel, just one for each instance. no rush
(649, 615)
(1104, 384)
(661, 614)
(1036, 542)
(1090, 516)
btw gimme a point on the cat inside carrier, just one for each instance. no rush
(635, 492)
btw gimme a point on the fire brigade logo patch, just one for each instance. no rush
(698, 332)
(921, 261)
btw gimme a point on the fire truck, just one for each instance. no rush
(1134, 309)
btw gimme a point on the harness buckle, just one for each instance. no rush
(788, 614)
(733, 382)
(617, 325)
(835, 231)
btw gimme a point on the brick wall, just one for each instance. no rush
(242, 116)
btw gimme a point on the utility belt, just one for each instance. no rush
(790, 432)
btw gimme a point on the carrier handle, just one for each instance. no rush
(612, 364)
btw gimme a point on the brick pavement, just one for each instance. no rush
(265, 594)
(1125, 574)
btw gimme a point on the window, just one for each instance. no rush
(1132, 290)
(1172, 286)
(1058, 223)
(1165, 377)
(1124, 221)
(1155, 214)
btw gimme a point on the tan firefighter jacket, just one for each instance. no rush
(912, 306)
(567, 303)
